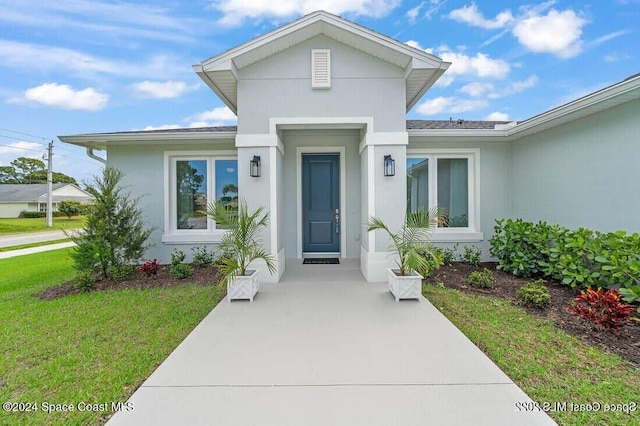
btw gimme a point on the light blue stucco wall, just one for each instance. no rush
(581, 174)
(280, 86)
(144, 177)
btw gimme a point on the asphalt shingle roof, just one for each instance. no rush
(12, 193)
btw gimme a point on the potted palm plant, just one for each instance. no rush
(412, 248)
(240, 247)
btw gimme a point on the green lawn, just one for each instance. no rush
(18, 226)
(94, 347)
(549, 365)
(31, 245)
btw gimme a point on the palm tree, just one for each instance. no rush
(411, 242)
(240, 243)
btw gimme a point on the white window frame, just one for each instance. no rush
(472, 155)
(171, 234)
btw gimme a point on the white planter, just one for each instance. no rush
(405, 287)
(243, 287)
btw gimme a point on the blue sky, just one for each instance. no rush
(83, 66)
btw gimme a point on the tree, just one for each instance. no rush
(70, 208)
(229, 188)
(114, 233)
(30, 170)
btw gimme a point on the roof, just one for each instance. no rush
(27, 193)
(616, 94)
(220, 72)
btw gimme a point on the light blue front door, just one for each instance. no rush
(321, 203)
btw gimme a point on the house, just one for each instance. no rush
(323, 143)
(15, 198)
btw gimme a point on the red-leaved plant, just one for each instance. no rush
(604, 308)
(150, 268)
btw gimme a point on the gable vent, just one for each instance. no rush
(320, 68)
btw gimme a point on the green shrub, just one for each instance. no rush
(534, 294)
(202, 257)
(70, 208)
(471, 255)
(34, 215)
(181, 271)
(434, 261)
(84, 280)
(121, 272)
(449, 255)
(114, 232)
(481, 279)
(177, 257)
(631, 295)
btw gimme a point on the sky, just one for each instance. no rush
(90, 66)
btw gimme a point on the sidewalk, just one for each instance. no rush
(31, 238)
(324, 347)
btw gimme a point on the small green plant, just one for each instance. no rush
(434, 261)
(121, 272)
(472, 255)
(481, 279)
(534, 294)
(202, 257)
(177, 257)
(181, 271)
(449, 255)
(604, 308)
(631, 295)
(84, 280)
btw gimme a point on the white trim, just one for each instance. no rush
(320, 123)
(259, 140)
(340, 150)
(273, 200)
(371, 194)
(170, 234)
(473, 231)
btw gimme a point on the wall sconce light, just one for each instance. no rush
(389, 166)
(254, 169)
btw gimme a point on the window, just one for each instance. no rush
(447, 180)
(193, 183)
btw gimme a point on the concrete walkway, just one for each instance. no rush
(31, 238)
(323, 347)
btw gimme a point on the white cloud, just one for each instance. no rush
(515, 87)
(476, 88)
(450, 105)
(65, 97)
(219, 116)
(497, 116)
(163, 127)
(44, 58)
(236, 11)
(556, 32)
(480, 65)
(472, 16)
(162, 89)
(14, 150)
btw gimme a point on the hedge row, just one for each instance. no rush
(577, 258)
(30, 215)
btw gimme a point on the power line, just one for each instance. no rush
(20, 139)
(22, 149)
(21, 133)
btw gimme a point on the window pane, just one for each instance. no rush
(227, 185)
(191, 182)
(453, 191)
(417, 184)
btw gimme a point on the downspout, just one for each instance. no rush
(90, 154)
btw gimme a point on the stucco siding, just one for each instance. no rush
(280, 86)
(145, 178)
(9, 210)
(581, 174)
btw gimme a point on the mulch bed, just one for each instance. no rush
(626, 343)
(202, 276)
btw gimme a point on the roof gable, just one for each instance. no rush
(422, 70)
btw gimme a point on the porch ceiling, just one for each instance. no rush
(422, 69)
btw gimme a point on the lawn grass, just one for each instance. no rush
(19, 225)
(549, 365)
(94, 347)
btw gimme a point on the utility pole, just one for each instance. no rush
(50, 186)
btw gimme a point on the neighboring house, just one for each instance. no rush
(321, 105)
(15, 198)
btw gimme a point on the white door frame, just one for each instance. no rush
(340, 150)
